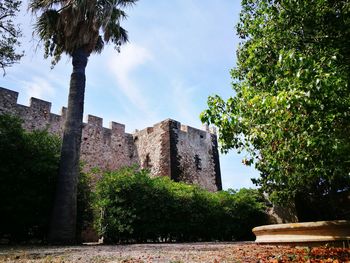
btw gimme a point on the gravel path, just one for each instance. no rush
(159, 253)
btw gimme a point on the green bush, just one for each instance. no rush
(29, 163)
(84, 203)
(28, 172)
(132, 207)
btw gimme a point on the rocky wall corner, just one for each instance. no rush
(194, 156)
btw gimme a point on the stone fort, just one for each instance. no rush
(183, 153)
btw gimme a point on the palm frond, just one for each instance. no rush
(116, 34)
(114, 19)
(46, 25)
(37, 5)
(99, 45)
(118, 14)
(125, 3)
(67, 25)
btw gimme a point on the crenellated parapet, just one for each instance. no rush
(168, 148)
(38, 115)
(107, 148)
(8, 100)
(35, 116)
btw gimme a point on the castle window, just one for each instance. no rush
(201, 136)
(198, 162)
(147, 162)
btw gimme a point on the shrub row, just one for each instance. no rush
(133, 207)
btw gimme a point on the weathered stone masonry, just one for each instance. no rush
(168, 148)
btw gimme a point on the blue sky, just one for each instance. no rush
(180, 52)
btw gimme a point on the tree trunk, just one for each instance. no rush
(63, 221)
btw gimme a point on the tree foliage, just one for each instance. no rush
(291, 107)
(9, 33)
(66, 26)
(132, 207)
(28, 169)
(29, 165)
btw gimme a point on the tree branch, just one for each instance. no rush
(6, 15)
(9, 31)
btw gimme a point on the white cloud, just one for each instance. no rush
(123, 66)
(184, 103)
(39, 88)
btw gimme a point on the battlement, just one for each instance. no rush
(118, 127)
(40, 105)
(191, 130)
(166, 148)
(8, 96)
(40, 110)
(181, 127)
(94, 121)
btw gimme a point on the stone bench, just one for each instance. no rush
(320, 231)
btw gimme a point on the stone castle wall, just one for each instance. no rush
(168, 148)
(196, 156)
(153, 148)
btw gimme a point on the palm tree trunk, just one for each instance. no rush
(63, 222)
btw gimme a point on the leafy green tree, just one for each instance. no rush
(291, 105)
(246, 207)
(74, 27)
(84, 204)
(9, 33)
(29, 166)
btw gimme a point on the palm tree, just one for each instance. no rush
(77, 28)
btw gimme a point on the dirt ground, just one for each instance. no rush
(175, 253)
